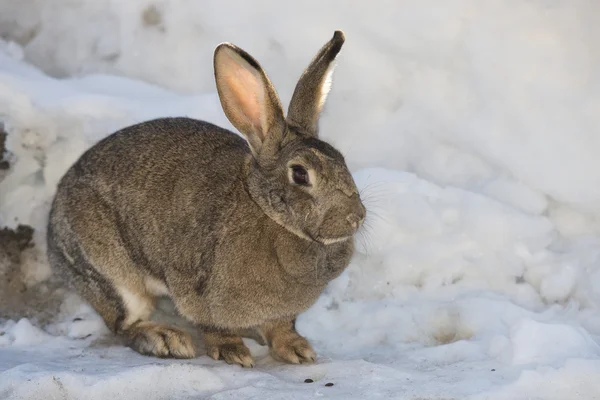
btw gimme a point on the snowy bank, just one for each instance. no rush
(472, 129)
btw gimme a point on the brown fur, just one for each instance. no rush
(218, 225)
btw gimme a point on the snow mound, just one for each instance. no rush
(22, 333)
(542, 343)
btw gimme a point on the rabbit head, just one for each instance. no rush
(300, 181)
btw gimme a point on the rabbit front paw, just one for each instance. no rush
(153, 339)
(293, 349)
(230, 349)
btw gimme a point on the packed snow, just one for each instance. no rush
(473, 132)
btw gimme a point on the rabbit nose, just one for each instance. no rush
(355, 220)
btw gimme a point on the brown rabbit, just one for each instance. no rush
(243, 236)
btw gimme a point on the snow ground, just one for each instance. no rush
(474, 136)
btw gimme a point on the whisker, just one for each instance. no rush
(370, 186)
(375, 214)
(364, 234)
(367, 243)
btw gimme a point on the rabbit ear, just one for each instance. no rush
(247, 95)
(312, 88)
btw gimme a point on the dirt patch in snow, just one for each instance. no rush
(17, 299)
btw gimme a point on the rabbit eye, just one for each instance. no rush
(300, 175)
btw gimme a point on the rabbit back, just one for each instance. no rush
(148, 199)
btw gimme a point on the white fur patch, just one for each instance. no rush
(326, 86)
(332, 241)
(138, 308)
(156, 287)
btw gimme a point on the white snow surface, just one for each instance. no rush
(472, 129)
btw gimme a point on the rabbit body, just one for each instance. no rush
(225, 263)
(227, 228)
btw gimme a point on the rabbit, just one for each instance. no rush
(242, 233)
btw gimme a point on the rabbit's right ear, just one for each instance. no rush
(247, 95)
(313, 87)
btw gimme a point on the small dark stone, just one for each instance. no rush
(308, 380)
(77, 319)
(493, 369)
(329, 384)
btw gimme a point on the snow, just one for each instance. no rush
(535, 342)
(23, 333)
(472, 130)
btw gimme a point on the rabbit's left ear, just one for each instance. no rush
(313, 87)
(247, 96)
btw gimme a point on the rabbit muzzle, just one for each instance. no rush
(341, 221)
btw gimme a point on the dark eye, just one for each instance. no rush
(300, 175)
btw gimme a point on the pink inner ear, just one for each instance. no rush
(247, 93)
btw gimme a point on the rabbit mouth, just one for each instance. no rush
(328, 241)
(323, 240)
